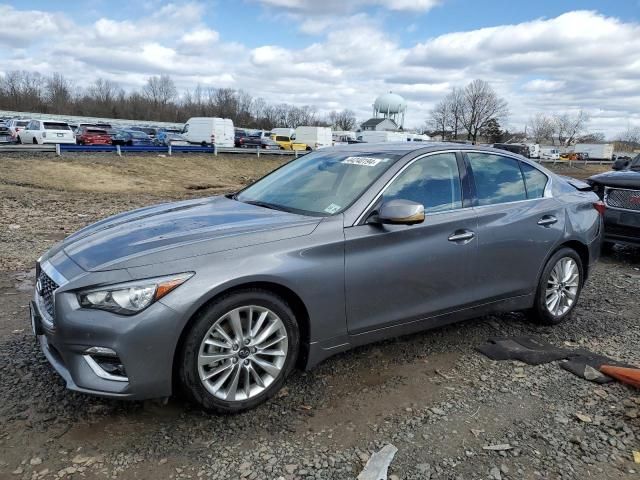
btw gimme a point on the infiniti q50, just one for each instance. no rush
(222, 297)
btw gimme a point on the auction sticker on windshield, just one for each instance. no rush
(364, 161)
(333, 208)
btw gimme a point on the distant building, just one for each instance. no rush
(379, 124)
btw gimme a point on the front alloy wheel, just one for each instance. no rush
(242, 353)
(239, 350)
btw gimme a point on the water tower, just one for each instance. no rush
(390, 105)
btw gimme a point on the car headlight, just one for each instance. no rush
(131, 297)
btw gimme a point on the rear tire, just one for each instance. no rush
(559, 288)
(251, 377)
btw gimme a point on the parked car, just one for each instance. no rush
(238, 137)
(131, 137)
(43, 131)
(222, 297)
(92, 136)
(149, 131)
(620, 191)
(287, 143)
(5, 134)
(256, 140)
(15, 125)
(550, 153)
(170, 138)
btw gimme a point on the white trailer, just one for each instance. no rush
(534, 150)
(599, 151)
(314, 137)
(549, 153)
(372, 136)
(288, 132)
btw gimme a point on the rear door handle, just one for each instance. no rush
(462, 236)
(547, 221)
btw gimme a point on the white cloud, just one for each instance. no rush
(581, 59)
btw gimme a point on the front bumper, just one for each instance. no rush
(144, 344)
(622, 226)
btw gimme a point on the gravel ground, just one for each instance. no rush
(431, 395)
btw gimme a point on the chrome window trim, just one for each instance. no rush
(606, 196)
(548, 191)
(97, 369)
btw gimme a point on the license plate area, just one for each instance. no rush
(630, 219)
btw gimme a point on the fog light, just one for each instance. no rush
(106, 364)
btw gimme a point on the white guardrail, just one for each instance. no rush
(61, 149)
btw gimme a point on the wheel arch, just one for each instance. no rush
(292, 298)
(576, 245)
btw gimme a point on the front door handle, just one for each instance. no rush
(462, 236)
(547, 221)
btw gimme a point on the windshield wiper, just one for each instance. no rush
(271, 206)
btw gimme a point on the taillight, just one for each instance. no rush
(600, 207)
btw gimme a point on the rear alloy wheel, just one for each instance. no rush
(239, 351)
(559, 287)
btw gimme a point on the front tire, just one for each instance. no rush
(559, 288)
(239, 351)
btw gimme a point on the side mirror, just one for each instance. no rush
(400, 212)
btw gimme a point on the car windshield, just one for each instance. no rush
(22, 124)
(95, 131)
(137, 134)
(56, 126)
(635, 163)
(320, 183)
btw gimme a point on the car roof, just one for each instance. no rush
(399, 148)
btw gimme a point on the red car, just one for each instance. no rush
(92, 136)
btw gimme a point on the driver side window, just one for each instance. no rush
(433, 181)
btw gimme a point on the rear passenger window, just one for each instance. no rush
(535, 180)
(498, 179)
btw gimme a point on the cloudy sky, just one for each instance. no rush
(542, 55)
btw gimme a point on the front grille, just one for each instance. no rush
(627, 199)
(46, 287)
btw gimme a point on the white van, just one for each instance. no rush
(209, 131)
(315, 137)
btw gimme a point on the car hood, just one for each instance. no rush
(622, 179)
(173, 231)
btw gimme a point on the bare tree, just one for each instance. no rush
(541, 127)
(630, 135)
(160, 90)
(104, 91)
(569, 126)
(439, 118)
(455, 107)
(481, 104)
(343, 120)
(58, 93)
